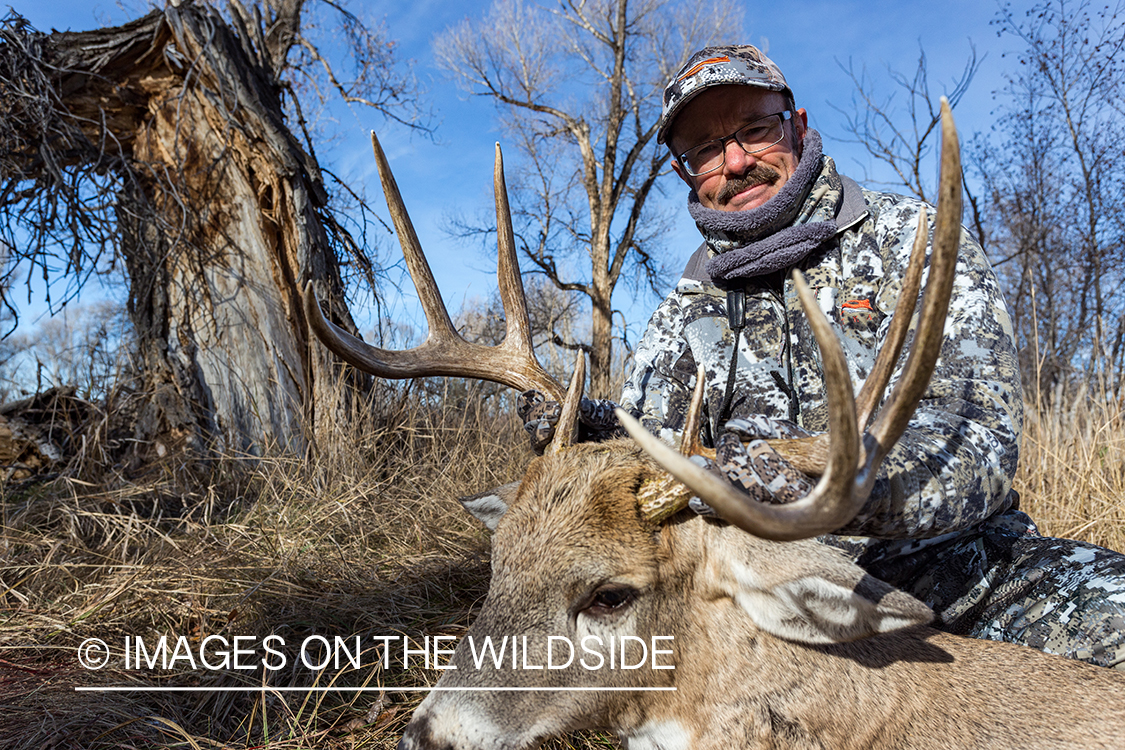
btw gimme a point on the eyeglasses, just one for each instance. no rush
(754, 137)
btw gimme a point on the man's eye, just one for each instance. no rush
(704, 153)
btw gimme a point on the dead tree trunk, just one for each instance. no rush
(221, 220)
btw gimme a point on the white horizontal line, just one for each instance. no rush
(290, 689)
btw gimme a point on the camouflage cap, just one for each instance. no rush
(718, 66)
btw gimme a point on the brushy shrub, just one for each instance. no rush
(361, 537)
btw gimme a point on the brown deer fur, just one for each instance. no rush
(777, 644)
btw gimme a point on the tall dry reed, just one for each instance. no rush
(1071, 476)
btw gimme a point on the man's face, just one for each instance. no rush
(745, 180)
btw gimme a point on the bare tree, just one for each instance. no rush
(1054, 176)
(578, 87)
(87, 347)
(898, 130)
(164, 146)
(1050, 175)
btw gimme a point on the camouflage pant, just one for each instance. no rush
(1008, 583)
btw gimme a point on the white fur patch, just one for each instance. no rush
(666, 734)
(488, 509)
(455, 725)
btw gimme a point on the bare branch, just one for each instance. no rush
(903, 145)
(1054, 189)
(578, 87)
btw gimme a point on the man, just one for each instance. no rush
(942, 521)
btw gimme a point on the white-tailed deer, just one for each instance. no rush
(611, 609)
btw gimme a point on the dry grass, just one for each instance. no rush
(364, 539)
(361, 539)
(1071, 477)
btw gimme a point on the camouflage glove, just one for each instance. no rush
(755, 467)
(596, 420)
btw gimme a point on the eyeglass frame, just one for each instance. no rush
(785, 116)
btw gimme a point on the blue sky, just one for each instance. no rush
(806, 39)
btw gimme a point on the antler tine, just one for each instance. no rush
(892, 420)
(809, 454)
(441, 327)
(832, 502)
(876, 383)
(517, 334)
(566, 429)
(689, 438)
(444, 352)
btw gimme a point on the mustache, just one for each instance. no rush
(760, 174)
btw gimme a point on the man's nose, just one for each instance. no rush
(737, 161)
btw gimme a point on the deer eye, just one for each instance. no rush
(609, 600)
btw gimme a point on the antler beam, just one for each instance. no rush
(445, 352)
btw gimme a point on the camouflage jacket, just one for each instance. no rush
(953, 467)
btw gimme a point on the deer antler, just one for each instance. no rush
(846, 478)
(810, 454)
(512, 362)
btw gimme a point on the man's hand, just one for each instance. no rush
(596, 420)
(745, 458)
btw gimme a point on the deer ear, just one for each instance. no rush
(809, 593)
(490, 506)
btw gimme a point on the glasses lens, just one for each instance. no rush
(760, 134)
(704, 158)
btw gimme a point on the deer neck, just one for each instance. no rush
(845, 696)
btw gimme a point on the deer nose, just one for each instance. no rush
(419, 737)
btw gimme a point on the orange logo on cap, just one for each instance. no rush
(702, 64)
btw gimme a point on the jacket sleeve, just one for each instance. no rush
(658, 390)
(954, 464)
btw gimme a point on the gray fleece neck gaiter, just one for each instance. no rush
(773, 236)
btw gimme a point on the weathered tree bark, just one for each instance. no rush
(220, 223)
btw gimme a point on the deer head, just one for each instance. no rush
(598, 617)
(591, 554)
